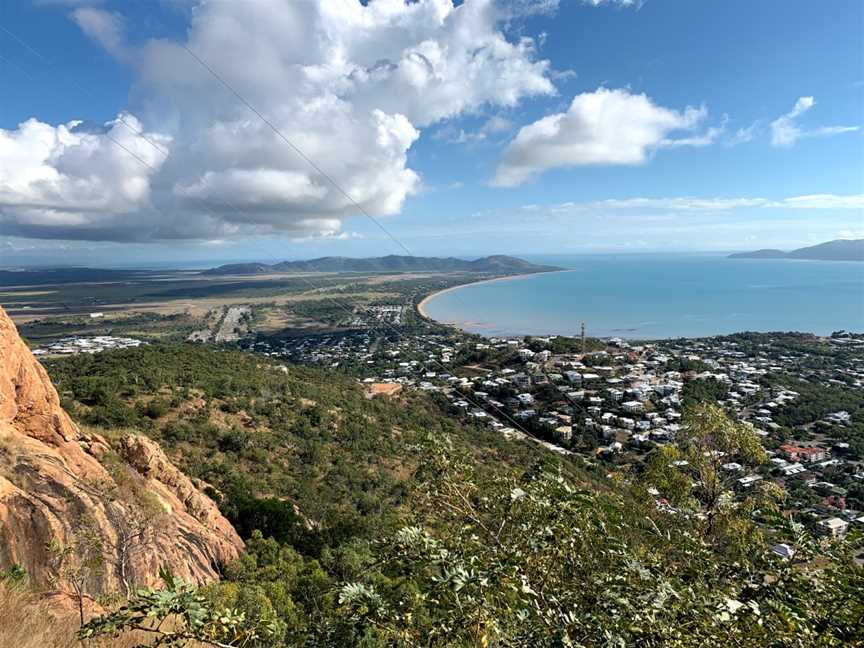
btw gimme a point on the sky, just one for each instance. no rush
(179, 132)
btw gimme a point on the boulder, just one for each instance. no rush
(72, 504)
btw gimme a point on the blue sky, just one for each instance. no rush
(513, 126)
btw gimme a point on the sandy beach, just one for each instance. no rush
(421, 307)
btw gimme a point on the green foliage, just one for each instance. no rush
(538, 560)
(299, 589)
(816, 400)
(153, 409)
(563, 344)
(529, 558)
(703, 390)
(190, 616)
(379, 523)
(690, 475)
(14, 574)
(272, 517)
(686, 364)
(303, 456)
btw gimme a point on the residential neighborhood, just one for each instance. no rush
(620, 400)
(87, 344)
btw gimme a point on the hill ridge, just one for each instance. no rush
(496, 263)
(836, 250)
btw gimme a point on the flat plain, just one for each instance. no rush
(174, 305)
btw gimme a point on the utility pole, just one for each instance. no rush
(583, 338)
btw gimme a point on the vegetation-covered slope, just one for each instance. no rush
(302, 454)
(384, 523)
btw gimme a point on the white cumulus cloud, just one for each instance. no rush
(69, 178)
(604, 127)
(351, 84)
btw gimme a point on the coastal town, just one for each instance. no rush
(610, 401)
(615, 401)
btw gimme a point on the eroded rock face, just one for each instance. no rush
(134, 510)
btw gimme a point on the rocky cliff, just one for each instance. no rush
(76, 507)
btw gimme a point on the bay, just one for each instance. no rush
(650, 296)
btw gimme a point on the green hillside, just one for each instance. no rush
(376, 522)
(303, 455)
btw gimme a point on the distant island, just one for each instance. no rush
(498, 264)
(839, 250)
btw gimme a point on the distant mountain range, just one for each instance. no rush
(839, 250)
(497, 264)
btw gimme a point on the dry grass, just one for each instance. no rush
(382, 389)
(27, 621)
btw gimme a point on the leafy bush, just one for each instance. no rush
(153, 409)
(190, 616)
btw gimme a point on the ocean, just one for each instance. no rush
(651, 296)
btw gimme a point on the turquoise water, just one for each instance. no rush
(659, 296)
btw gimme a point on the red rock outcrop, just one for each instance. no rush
(127, 507)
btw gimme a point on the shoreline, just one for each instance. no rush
(421, 306)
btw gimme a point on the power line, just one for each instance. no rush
(302, 277)
(120, 117)
(317, 168)
(296, 149)
(243, 100)
(307, 158)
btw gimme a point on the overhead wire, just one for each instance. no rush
(351, 311)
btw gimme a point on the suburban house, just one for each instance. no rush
(834, 527)
(802, 453)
